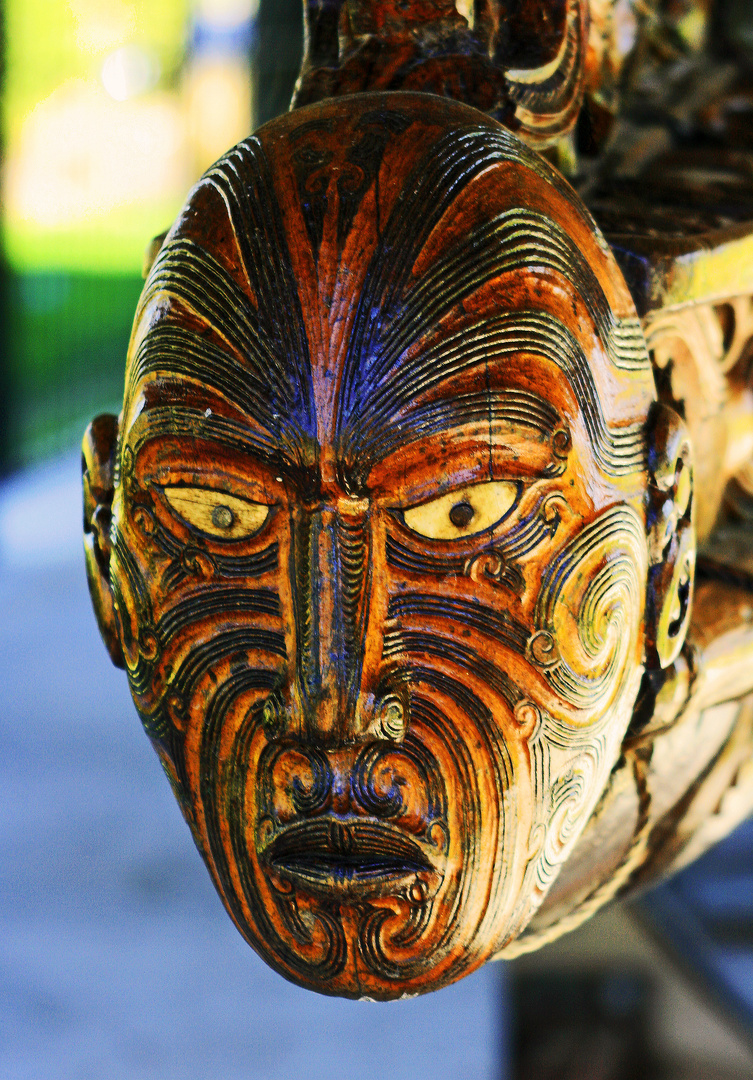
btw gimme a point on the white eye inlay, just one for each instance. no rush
(462, 512)
(216, 512)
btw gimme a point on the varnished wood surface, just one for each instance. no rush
(396, 533)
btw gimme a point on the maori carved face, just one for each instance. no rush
(377, 560)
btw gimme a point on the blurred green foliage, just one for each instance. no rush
(70, 333)
(72, 287)
(51, 41)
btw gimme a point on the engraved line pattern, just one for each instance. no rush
(304, 576)
(405, 313)
(453, 161)
(216, 601)
(407, 642)
(257, 223)
(613, 548)
(174, 420)
(495, 753)
(176, 350)
(619, 451)
(499, 626)
(353, 555)
(504, 407)
(188, 562)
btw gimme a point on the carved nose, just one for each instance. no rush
(378, 780)
(332, 694)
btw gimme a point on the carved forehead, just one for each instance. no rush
(363, 257)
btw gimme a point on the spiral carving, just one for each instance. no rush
(591, 604)
(492, 565)
(321, 940)
(567, 797)
(329, 944)
(198, 563)
(568, 766)
(374, 940)
(301, 776)
(143, 518)
(388, 782)
(308, 799)
(385, 804)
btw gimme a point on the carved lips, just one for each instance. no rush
(336, 856)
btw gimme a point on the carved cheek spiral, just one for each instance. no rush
(589, 612)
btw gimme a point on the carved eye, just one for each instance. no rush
(217, 513)
(463, 512)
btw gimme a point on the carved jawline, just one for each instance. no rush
(333, 854)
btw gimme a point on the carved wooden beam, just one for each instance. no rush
(523, 63)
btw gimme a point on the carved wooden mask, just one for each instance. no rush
(378, 553)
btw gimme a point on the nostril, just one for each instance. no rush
(301, 782)
(378, 781)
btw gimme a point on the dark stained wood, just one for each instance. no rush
(396, 532)
(523, 63)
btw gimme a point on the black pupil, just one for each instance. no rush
(222, 517)
(461, 514)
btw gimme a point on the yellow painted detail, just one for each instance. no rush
(462, 512)
(217, 513)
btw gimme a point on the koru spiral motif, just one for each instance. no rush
(395, 535)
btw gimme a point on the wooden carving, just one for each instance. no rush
(395, 535)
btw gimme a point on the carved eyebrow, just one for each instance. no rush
(174, 350)
(243, 180)
(169, 420)
(244, 365)
(515, 238)
(451, 163)
(397, 312)
(620, 451)
(513, 408)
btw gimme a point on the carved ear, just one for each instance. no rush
(97, 465)
(671, 535)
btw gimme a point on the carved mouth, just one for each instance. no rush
(334, 853)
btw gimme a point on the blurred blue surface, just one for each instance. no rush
(704, 915)
(117, 959)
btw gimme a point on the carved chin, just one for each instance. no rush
(371, 871)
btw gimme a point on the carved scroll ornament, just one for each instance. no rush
(395, 538)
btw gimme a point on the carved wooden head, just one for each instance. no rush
(379, 554)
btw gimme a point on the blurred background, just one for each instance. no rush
(111, 110)
(116, 957)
